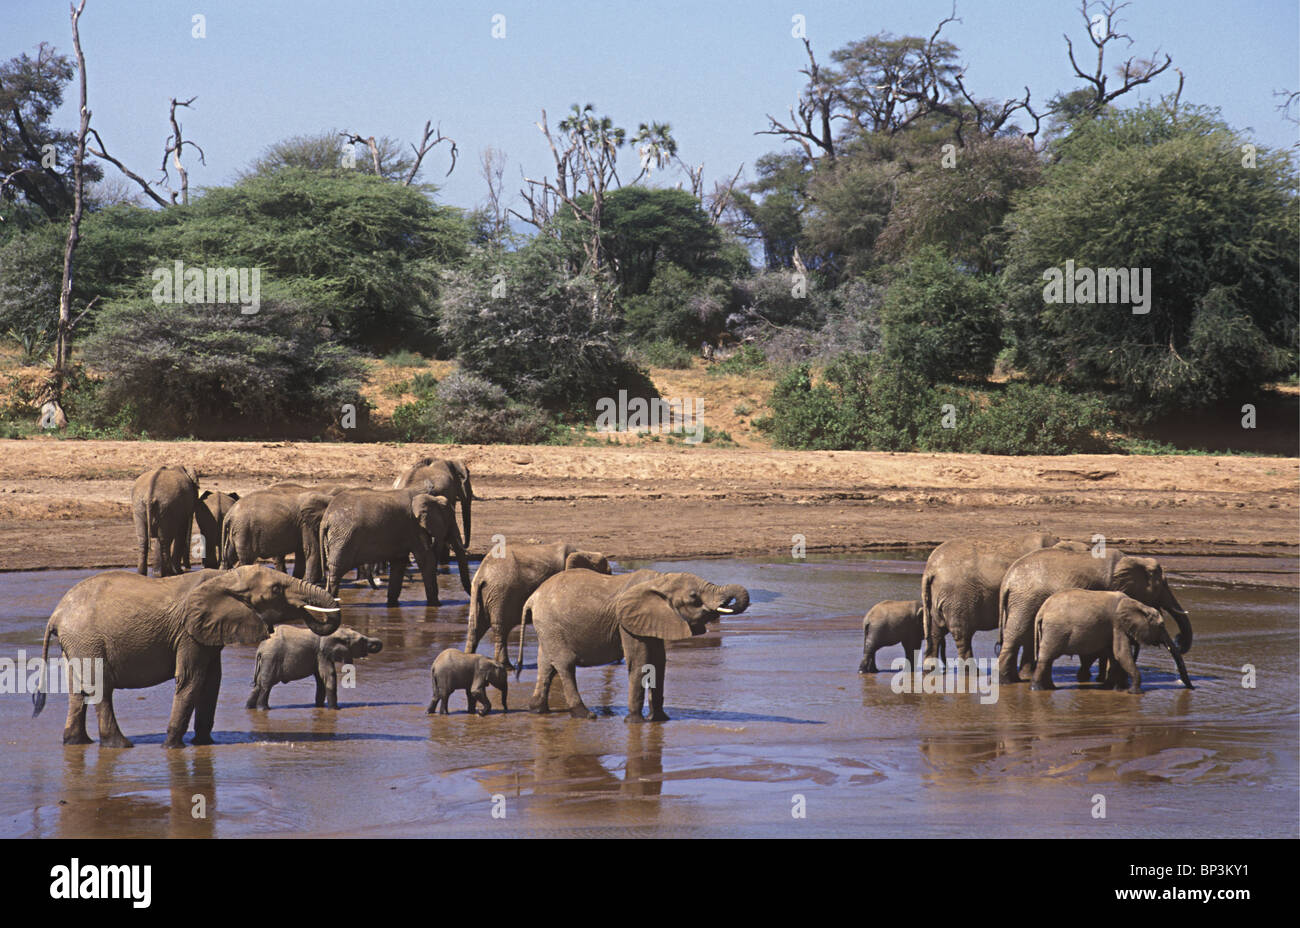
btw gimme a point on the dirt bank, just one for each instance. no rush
(64, 504)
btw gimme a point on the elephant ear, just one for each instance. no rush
(645, 610)
(204, 495)
(587, 560)
(192, 474)
(338, 652)
(234, 497)
(1131, 619)
(215, 615)
(421, 506)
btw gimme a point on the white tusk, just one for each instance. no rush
(723, 610)
(319, 609)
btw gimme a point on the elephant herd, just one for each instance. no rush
(1045, 597)
(141, 631)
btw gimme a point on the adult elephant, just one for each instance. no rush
(584, 619)
(502, 584)
(362, 527)
(163, 504)
(1033, 578)
(276, 522)
(147, 631)
(441, 477)
(959, 588)
(211, 517)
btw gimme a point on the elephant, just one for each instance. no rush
(368, 526)
(502, 584)
(441, 478)
(164, 503)
(894, 621)
(1038, 575)
(455, 670)
(218, 506)
(584, 619)
(147, 631)
(274, 523)
(296, 653)
(1099, 624)
(959, 587)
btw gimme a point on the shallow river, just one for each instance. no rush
(774, 733)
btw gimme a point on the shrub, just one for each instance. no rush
(1038, 419)
(405, 358)
(465, 409)
(747, 359)
(664, 353)
(941, 321)
(208, 370)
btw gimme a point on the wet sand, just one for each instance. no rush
(766, 709)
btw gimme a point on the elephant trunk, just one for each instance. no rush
(731, 599)
(467, 494)
(321, 613)
(1171, 605)
(1178, 660)
(374, 646)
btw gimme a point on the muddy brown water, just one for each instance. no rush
(770, 719)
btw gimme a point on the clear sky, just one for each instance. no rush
(269, 69)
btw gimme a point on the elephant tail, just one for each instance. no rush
(1038, 633)
(257, 666)
(927, 606)
(227, 543)
(1004, 595)
(476, 612)
(523, 630)
(38, 697)
(866, 627)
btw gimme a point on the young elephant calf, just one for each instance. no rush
(455, 670)
(1099, 624)
(295, 654)
(894, 621)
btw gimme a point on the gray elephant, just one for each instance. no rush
(1036, 576)
(147, 631)
(296, 653)
(503, 582)
(455, 670)
(959, 588)
(164, 503)
(441, 477)
(585, 619)
(274, 523)
(1099, 624)
(362, 527)
(894, 621)
(218, 506)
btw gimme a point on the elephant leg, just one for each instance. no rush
(162, 563)
(657, 654)
(332, 686)
(320, 689)
(205, 703)
(637, 662)
(189, 683)
(254, 697)
(501, 647)
(110, 735)
(1011, 640)
(1042, 679)
(279, 563)
(184, 541)
(1084, 674)
(1127, 663)
(428, 565)
(299, 563)
(143, 534)
(868, 663)
(962, 639)
(395, 580)
(74, 729)
(569, 680)
(541, 699)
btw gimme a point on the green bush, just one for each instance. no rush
(465, 409)
(209, 370)
(747, 359)
(866, 403)
(405, 358)
(664, 353)
(941, 321)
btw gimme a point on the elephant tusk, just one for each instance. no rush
(319, 609)
(723, 610)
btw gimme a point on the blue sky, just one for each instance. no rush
(269, 69)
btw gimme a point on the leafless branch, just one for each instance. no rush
(173, 147)
(429, 140)
(102, 153)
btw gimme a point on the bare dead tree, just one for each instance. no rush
(173, 147)
(63, 339)
(811, 117)
(721, 199)
(430, 139)
(492, 166)
(1132, 73)
(102, 153)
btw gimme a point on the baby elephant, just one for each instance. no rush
(455, 670)
(894, 621)
(296, 653)
(1099, 624)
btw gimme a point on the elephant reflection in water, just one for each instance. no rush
(102, 802)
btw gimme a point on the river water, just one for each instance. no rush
(774, 733)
